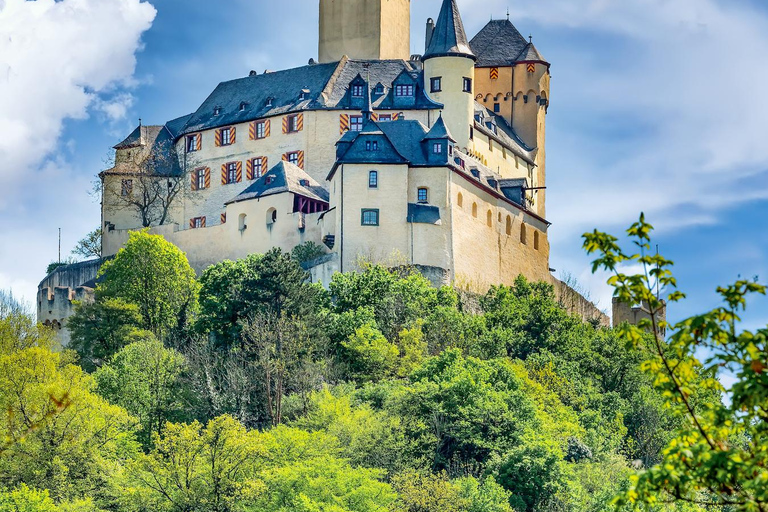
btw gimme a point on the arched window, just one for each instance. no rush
(536, 240)
(271, 216)
(241, 222)
(523, 234)
(509, 225)
(460, 200)
(474, 210)
(499, 217)
(489, 219)
(373, 179)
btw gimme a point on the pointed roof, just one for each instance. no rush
(499, 43)
(439, 131)
(284, 177)
(449, 37)
(530, 54)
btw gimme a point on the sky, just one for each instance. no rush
(656, 106)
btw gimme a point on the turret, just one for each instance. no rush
(449, 73)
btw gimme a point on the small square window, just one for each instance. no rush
(198, 222)
(358, 91)
(293, 124)
(356, 123)
(373, 179)
(294, 158)
(385, 117)
(497, 107)
(467, 84)
(370, 217)
(437, 148)
(436, 84)
(261, 129)
(379, 89)
(126, 188)
(423, 195)
(304, 183)
(371, 145)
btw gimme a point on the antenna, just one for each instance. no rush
(507, 13)
(59, 245)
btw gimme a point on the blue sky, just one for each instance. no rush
(656, 106)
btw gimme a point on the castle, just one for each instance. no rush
(435, 160)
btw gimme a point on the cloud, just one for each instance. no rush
(56, 60)
(59, 60)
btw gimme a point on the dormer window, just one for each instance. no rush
(303, 95)
(216, 111)
(358, 91)
(379, 89)
(475, 173)
(269, 180)
(269, 102)
(304, 183)
(371, 145)
(243, 106)
(404, 90)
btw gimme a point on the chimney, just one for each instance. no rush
(430, 32)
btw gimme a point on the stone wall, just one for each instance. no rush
(576, 304)
(633, 314)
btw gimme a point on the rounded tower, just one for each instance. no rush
(449, 73)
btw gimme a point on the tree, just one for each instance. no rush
(100, 329)
(306, 252)
(155, 275)
(24, 499)
(718, 456)
(369, 355)
(150, 181)
(89, 246)
(145, 378)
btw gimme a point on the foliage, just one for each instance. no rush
(89, 246)
(145, 379)
(24, 499)
(58, 264)
(155, 275)
(718, 455)
(308, 251)
(99, 329)
(370, 355)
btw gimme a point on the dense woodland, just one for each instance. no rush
(250, 389)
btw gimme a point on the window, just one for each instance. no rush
(126, 188)
(536, 240)
(475, 173)
(467, 84)
(232, 172)
(226, 136)
(293, 123)
(523, 235)
(200, 179)
(404, 90)
(270, 180)
(358, 91)
(509, 225)
(269, 102)
(471, 132)
(385, 117)
(379, 89)
(373, 179)
(217, 111)
(303, 95)
(192, 143)
(197, 223)
(489, 219)
(370, 217)
(460, 200)
(304, 183)
(356, 123)
(271, 216)
(437, 148)
(294, 158)
(260, 131)
(497, 107)
(371, 145)
(243, 106)
(474, 210)
(241, 225)
(423, 195)
(258, 167)
(436, 84)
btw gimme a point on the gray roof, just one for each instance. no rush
(284, 177)
(423, 214)
(503, 132)
(326, 87)
(499, 43)
(439, 131)
(530, 54)
(161, 158)
(449, 36)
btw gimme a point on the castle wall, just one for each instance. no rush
(459, 111)
(364, 29)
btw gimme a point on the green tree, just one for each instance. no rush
(717, 456)
(426, 492)
(89, 246)
(24, 499)
(99, 329)
(155, 275)
(369, 355)
(306, 252)
(145, 378)
(533, 472)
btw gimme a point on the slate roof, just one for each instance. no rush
(449, 36)
(162, 151)
(286, 177)
(503, 132)
(531, 54)
(499, 43)
(326, 87)
(439, 131)
(423, 214)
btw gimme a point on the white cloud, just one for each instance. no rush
(56, 59)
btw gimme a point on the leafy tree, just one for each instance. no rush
(89, 246)
(155, 275)
(307, 251)
(145, 378)
(58, 264)
(99, 329)
(533, 472)
(485, 496)
(370, 356)
(24, 499)
(718, 455)
(426, 492)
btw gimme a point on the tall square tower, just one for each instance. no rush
(365, 29)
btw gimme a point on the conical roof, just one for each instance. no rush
(439, 131)
(530, 54)
(449, 37)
